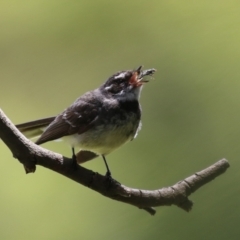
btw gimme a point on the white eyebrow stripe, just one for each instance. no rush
(121, 75)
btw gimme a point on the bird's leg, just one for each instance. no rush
(108, 173)
(73, 154)
(74, 158)
(110, 180)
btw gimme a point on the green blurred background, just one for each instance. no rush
(53, 51)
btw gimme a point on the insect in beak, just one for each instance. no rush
(137, 78)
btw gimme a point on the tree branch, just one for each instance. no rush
(30, 155)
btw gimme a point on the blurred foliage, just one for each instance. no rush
(53, 51)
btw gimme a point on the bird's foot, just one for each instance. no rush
(109, 179)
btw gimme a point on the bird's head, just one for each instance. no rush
(127, 85)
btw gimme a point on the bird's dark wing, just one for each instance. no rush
(78, 118)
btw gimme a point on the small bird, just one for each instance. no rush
(99, 121)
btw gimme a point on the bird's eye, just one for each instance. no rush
(122, 84)
(115, 88)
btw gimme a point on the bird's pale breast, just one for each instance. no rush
(104, 138)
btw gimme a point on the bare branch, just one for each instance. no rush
(30, 155)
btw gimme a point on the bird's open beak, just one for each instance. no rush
(137, 78)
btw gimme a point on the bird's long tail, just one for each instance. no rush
(34, 128)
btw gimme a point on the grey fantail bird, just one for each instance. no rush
(99, 121)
